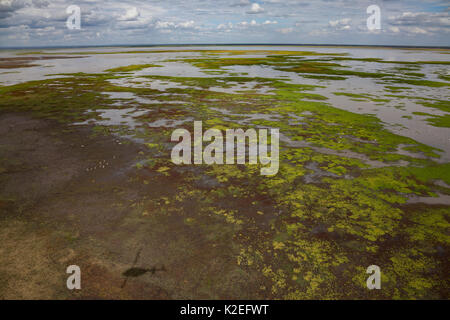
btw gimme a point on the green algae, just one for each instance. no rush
(323, 77)
(414, 74)
(329, 69)
(437, 104)
(379, 60)
(436, 120)
(360, 97)
(439, 121)
(287, 63)
(396, 89)
(134, 67)
(425, 83)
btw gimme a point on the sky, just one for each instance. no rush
(28, 23)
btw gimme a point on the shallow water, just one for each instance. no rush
(115, 117)
(396, 114)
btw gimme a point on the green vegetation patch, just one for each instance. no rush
(134, 67)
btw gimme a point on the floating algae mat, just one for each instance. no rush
(363, 177)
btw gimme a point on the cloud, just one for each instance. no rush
(440, 19)
(43, 22)
(255, 8)
(227, 27)
(342, 24)
(130, 15)
(187, 24)
(420, 23)
(394, 29)
(8, 7)
(172, 25)
(254, 23)
(41, 3)
(418, 30)
(245, 23)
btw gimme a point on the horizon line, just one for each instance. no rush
(226, 44)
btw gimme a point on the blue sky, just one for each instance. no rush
(403, 22)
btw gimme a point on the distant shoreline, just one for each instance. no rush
(229, 44)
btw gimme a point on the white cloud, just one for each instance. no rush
(394, 29)
(130, 15)
(342, 24)
(252, 23)
(420, 23)
(172, 25)
(418, 30)
(339, 22)
(225, 27)
(255, 8)
(164, 25)
(187, 24)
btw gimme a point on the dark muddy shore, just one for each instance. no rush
(26, 62)
(67, 197)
